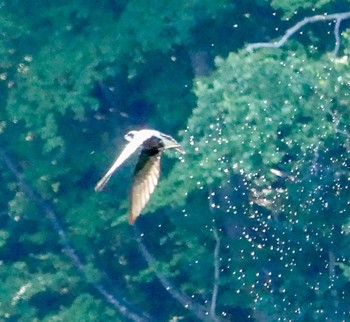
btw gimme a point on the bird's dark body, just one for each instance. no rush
(152, 145)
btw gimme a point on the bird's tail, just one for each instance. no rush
(179, 149)
(100, 185)
(173, 145)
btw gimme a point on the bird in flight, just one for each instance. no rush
(147, 170)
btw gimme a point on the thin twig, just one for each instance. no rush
(198, 310)
(216, 262)
(336, 121)
(337, 17)
(337, 37)
(68, 249)
(332, 275)
(216, 274)
(315, 166)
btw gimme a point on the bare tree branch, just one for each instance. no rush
(216, 274)
(216, 261)
(45, 206)
(337, 17)
(337, 37)
(198, 310)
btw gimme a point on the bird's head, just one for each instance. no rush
(130, 135)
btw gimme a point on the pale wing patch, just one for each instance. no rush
(145, 181)
(129, 149)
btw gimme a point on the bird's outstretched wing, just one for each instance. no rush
(129, 149)
(145, 181)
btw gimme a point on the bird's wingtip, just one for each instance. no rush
(132, 218)
(97, 188)
(100, 185)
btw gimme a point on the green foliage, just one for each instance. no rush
(256, 113)
(266, 165)
(25, 287)
(79, 308)
(292, 7)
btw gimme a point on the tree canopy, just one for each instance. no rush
(251, 224)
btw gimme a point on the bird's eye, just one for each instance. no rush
(129, 136)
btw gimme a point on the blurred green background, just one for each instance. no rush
(252, 224)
